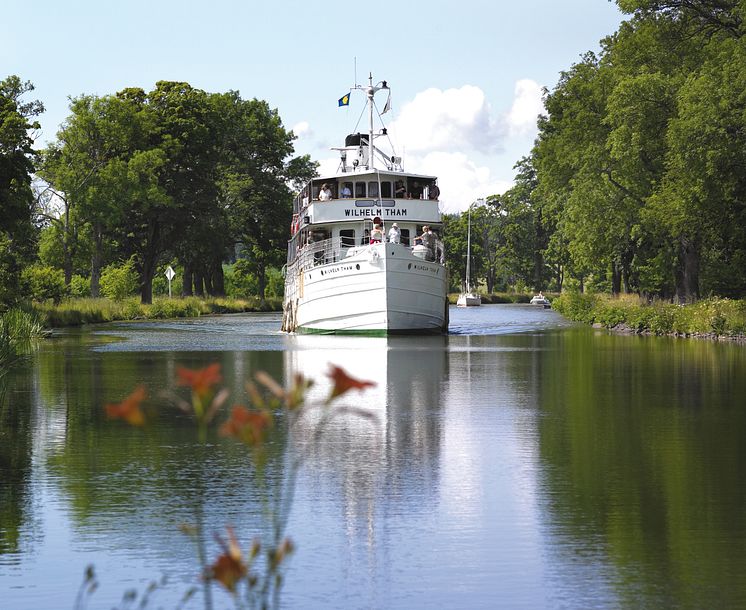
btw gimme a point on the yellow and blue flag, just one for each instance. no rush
(344, 100)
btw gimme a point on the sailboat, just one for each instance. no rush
(468, 298)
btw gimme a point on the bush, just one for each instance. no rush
(80, 287)
(44, 283)
(119, 281)
(576, 306)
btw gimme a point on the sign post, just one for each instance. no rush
(170, 274)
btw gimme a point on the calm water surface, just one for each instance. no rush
(519, 462)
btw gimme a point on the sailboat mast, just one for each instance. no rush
(468, 252)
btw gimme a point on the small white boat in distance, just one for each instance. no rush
(468, 298)
(540, 299)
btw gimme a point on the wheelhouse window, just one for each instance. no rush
(360, 189)
(372, 189)
(347, 238)
(385, 189)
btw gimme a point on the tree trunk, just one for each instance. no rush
(687, 272)
(149, 262)
(208, 283)
(146, 280)
(616, 279)
(186, 281)
(198, 283)
(538, 270)
(218, 280)
(96, 260)
(67, 247)
(261, 281)
(560, 277)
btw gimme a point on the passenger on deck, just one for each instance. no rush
(346, 192)
(401, 190)
(394, 234)
(325, 194)
(433, 191)
(416, 190)
(428, 240)
(376, 235)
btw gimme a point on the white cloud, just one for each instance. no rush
(455, 135)
(450, 120)
(462, 181)
(527, 106)
(302, 130)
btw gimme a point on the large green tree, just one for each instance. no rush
(256, 182)
(17, 156)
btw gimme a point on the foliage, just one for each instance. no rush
(74, 312)
(80, 287)
(17, 158)
(44, 283)
(18, 329)
(253, 577)
(119, 281)
(639, 162)
(722, 317)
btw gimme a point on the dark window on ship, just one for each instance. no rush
(347, 237)
(360, 189)
(366, 237)
(405, 237)
(349, 185)
(385, 189)
(372, 189)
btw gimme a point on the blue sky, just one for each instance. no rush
(465, 75)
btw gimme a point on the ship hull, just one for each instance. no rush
(381, 289)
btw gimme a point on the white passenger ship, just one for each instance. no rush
(339, 277)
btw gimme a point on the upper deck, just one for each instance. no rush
(357, 195)
(346, 210)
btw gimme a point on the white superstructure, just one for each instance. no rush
(339, 279)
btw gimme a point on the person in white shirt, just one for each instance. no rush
(394, 234)
(376, 235)
(346, 192)
(325, 194)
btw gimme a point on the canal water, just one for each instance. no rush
(519, 462)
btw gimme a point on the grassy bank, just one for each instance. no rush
(709, 317)
(75, 312)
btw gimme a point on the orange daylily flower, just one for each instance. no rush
(129, 409)
(344, 383)
(229, 567)
(247, 426)
(200, 380)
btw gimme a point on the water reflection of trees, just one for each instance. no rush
(16, 501)
(131, 487)
(642, 444)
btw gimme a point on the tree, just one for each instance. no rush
(17, 157)
(255, 182)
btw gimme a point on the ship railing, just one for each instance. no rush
(318, 253)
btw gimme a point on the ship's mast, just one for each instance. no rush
(371, 91)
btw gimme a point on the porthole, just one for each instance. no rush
(409, 266)
(357, 266)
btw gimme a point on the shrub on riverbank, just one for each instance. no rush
(75, 312)
(722, 317)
